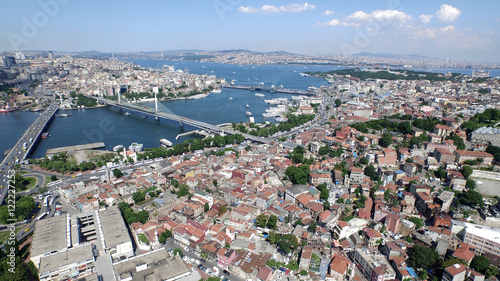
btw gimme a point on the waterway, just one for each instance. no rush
(113, 127)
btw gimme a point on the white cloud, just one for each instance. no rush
(449, 28)
(425, 18)
(328, 13)
(447, 13)
(384, 17)
(271, 9)
(333, 22)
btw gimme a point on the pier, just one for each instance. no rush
(57, 150)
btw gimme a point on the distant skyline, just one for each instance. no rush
(460, 30)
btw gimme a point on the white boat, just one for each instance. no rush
(251, 119)
(165, 142)
(248, 105)
(216, 91)
(230, 98)
(303, 74)
(132, 146)
(127, 113)
(118, 147)
(139, 147)
(260, 95)
(248, 113)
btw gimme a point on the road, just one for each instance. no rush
(23, 146)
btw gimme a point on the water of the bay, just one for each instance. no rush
(113, 127)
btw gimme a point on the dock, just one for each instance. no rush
(53, 151)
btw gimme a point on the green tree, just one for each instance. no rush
(466, 171)
(338, 102)
(371, 172)
(213, 278)
(440, 173)
(326, 205)
(324, 192)
(222, 210)
(261, 220)
(164, 236)
(53, 178)
(385, 140)
(206, 207)
(422, 257)
(143, 216)
(312, 227)
(417, 221)
(363, 161)
(271, 223)
(183, 191)
(298, 175)
(303, 272)
(324, 150)
(471, 198)
(450, 260)
(178, 251)
(470, 184)
(117, 173)
(480, 263)
(139, 196)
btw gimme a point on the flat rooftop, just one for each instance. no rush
(113, 227)
(152, 266)
(68, 257)
(50, 235)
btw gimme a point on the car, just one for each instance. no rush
(203, 260)
(226, 272)
(27, 229)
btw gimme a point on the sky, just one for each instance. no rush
(461, 30)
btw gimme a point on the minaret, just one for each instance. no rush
(119, 97)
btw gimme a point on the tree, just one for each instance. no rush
(480, 263)
(338, 102)
(417, 221)
(261, 220)
(222, 210)
(324, 193)
(183, 191)
(53, 178)
(371, 172)
(470, 184)
(164, 236)
(495, 150)
(450, 260)
(385, 140)
(206, 207)
(117, 173)
(139, 196)
(471, 198)
(178, 251)
(324, 150)
(312, 227)
(271, 223)
(303, 272)
(422, 257)
(466, 171)
(213, 279)
(143, 216)
(298, 175)
(215, 183)
(440, 173)
(363, 161)
(326, 205)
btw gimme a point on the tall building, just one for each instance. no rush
(51, 55)
(9, 61)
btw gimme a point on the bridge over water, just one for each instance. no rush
(162, 112)
(270, 89)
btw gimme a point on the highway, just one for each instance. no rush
(23, 147)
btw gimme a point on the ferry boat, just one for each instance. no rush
(117, 148)
(165, 143)
(6, 109)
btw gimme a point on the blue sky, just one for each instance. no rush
(457, 29)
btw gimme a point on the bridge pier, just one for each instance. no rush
(181, 125)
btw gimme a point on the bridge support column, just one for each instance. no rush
(181, 125)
